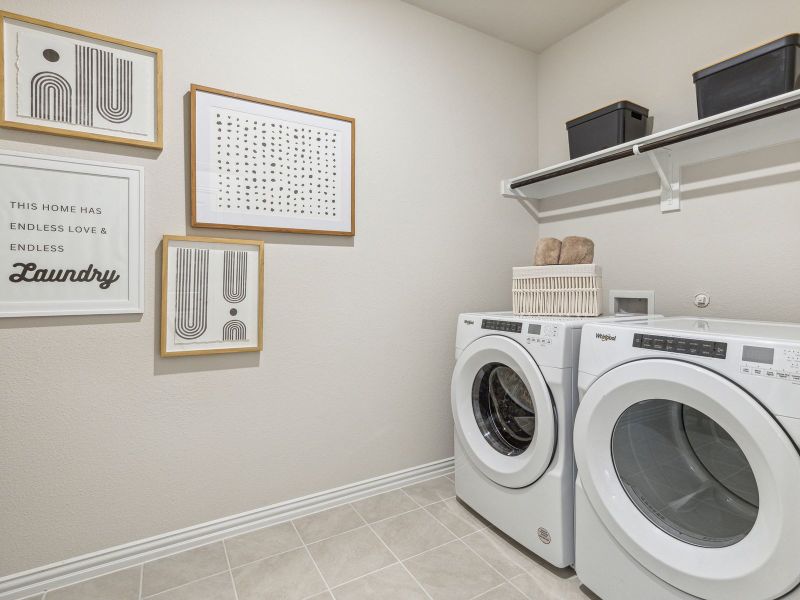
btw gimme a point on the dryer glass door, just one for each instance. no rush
(693, 478)
(685, 473)
(503, 411)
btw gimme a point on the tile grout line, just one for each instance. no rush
(385, 545)
(313, 562)
(252, 562)
(460, 537)
(497, 587)
(409, 496)
(398, 562)
(172, 589)
(230, 571)
(363, 520)
(513, 585)
(468, 547)
(349, 581)
(363, 525)
(303, 543)
(429, 550)
(402, 564)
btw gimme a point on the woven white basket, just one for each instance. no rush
(558, 290)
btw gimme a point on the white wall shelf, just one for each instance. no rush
(759, 125)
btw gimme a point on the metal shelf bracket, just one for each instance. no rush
(669, 174)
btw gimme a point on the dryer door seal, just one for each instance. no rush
(693, 478)
(503, 411)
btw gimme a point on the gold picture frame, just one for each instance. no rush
(170, 296)
(203, 217)
(82, 127)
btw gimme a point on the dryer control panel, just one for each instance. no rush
(709, 348)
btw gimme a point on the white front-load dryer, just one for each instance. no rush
(513, 397)
(686, 441)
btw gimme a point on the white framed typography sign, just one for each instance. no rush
(72, 236)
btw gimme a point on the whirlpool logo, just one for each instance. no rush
(605, 337)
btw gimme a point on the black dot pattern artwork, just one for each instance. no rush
(277, 168)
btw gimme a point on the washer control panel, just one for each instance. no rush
(495, 325)
(774, 363)
(709, 348)
(541, 334)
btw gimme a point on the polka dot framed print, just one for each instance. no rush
(263, 165)
(65, 81)
(212, 295)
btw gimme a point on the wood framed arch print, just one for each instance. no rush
(269, 166)
(212, 295)
(66, 81)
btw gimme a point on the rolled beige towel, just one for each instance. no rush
(548, 251)
(576, 250)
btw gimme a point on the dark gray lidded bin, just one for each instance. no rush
(606, 127)
(758, 74)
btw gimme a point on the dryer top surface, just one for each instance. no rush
(789, 332)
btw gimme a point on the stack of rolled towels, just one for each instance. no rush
(572, 250)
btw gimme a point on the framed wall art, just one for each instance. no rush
(212, 295)
(72, 234)
(268, 166)
(66, 81)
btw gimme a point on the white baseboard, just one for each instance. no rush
(36, 581)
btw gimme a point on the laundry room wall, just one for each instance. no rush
(736, 240)
(103, 442)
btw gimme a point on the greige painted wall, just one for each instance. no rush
(736, 240)
(103, 442)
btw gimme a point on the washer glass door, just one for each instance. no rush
(503, 411)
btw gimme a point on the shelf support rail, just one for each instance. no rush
(669, 174)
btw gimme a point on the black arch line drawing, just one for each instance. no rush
(191, 292)
(234, 276)
(234, 330)
(102, 83)
(51, 97)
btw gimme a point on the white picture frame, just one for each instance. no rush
(80, 223)
(262, 165)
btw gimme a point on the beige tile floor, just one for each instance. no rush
(414, 543)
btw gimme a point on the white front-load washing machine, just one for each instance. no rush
(514, 396)
(686, 441)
